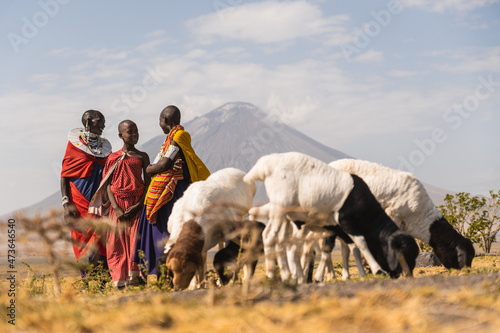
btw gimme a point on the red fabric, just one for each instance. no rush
(78, 164)
(120, 243)
(127, 177)
(127, 187)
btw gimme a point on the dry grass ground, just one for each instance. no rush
(436, 300)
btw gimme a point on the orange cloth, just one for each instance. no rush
(163, 184)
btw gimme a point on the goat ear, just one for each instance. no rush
(404, 265)
(392, 259)
(172, 264)
(461, 256)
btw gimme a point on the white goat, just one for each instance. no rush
(209, 211)
(313, 241)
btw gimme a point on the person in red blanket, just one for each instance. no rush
(81, 174)
(126, 192)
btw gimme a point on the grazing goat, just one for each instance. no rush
(185, 259)
(318, 240)
(207, 213)
(296, 239)
(325, 247)
(244, 249)
(405, 200)
(302, 188)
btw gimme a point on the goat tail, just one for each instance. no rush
(404, 264)
(256, 173)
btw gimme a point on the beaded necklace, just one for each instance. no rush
(92, 141)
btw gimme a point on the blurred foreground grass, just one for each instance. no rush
(266, 306)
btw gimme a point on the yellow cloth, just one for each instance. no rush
(196, 167)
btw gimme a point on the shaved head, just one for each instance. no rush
(173, 113)
(124, 124)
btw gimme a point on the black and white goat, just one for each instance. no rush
(302, 188)
(405, 200)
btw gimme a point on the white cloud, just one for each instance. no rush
(45, 81)
(97, 76)
(340, 36)
(95, 69)
(152, 45)
(402, 73)
(229, 53)
(370, 56)
(441, 6)
(435, 53)
(63, 52)
(265, 22)
(196, 53)
(155, 39)
(156, 34)
(105, 54)
(102, 53)
(472, 60)
(44, 77)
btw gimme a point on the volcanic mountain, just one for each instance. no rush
(237, 134)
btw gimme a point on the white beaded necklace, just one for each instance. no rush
(93, 142)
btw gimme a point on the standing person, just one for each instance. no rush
(81, 175)
(168, 183)
(126, 192)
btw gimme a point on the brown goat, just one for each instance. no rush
(185, 259)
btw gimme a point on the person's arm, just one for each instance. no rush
(118, 210)
(70, 210)
(145, 175)
(166, 163)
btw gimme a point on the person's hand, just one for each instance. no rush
(177, 165)
(70, 211)
(120, 214)
(132, 210)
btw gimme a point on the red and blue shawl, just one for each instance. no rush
(85, 173)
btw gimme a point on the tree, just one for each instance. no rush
(461, 211)
(490, 221)
(476, 218)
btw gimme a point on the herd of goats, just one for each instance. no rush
(373, 210)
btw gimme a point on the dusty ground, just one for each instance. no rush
(279, 294)
(435, 300)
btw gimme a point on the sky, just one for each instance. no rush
(413, 85)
